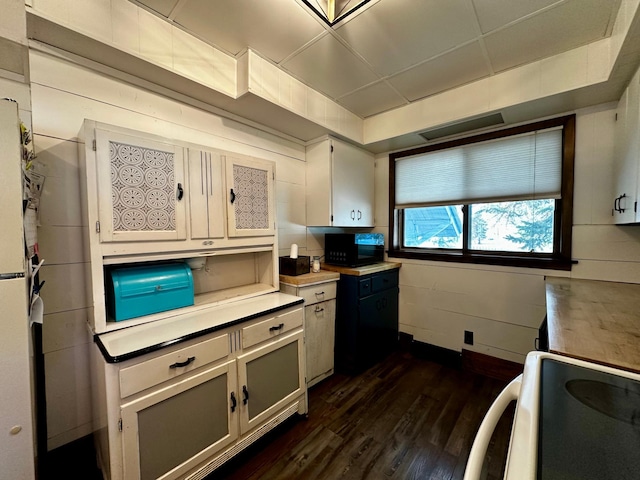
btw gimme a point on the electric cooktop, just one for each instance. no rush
(589, 424)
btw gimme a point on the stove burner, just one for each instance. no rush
(615, 402)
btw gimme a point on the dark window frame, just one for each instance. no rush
(560, 259)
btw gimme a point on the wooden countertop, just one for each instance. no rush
(595, 321)
(366, 270)
(310, 278)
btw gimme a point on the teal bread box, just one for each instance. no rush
(142, 290)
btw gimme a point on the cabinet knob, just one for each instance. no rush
(359, 214)
(180, 192)
(276, 328)
(353, 214)
(232, 196)
(318, 309)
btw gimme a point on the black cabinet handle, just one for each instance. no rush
(245, 395)
(232, 196)
(353, 214)
(359, 214)
(183, 364)
(234, 402)
(319, 293)
(180, 192)
(318, 310)
(279, 327)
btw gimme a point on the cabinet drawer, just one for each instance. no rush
(138, 377)
(318, 293)
(271, 328)
(384, 280)
(364, 287)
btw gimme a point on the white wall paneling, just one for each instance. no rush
(68, 390)
(65, 330)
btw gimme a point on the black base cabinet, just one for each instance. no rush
(366, 320)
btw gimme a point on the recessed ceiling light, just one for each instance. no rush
(333, 11)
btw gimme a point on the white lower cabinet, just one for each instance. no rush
(169, 430)
(183, 410)
(321, 333)
(270, 378)
(320, 322)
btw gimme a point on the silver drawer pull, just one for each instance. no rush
(183, 364)
(279, 327)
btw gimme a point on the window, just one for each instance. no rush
(503, 198)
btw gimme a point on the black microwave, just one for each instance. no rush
(353, 249)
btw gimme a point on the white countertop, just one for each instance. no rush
(133, 341)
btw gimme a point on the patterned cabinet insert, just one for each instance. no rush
(250, 201)
(141, 189)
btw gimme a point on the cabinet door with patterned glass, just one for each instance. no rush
(141, 189)
(250, 202)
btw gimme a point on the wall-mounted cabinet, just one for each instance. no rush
(626, 167)
(340, 183)
(147, 199)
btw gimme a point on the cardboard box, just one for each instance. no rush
(294, 266)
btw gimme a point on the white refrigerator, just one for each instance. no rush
(16, 419)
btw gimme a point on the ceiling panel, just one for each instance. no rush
(274, 28)
(394, 52)
(329, 67)
(163, 7)
(559, 29)
(450, 70)
(493, 14)
(393, 35)
(373, 99)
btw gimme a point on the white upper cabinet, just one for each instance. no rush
(626, 166)
(250, 202)
(206, 194)
(141, 189)
(340, 182)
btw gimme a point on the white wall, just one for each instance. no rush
(63, 95)
(504, 306)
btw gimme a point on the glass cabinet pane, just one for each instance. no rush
(250, 207)
(251, 198)
(142, 186)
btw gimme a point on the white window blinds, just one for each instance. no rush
(520, 167)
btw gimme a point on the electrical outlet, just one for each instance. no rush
(468, 337)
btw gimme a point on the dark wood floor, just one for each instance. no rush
(407, 418)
